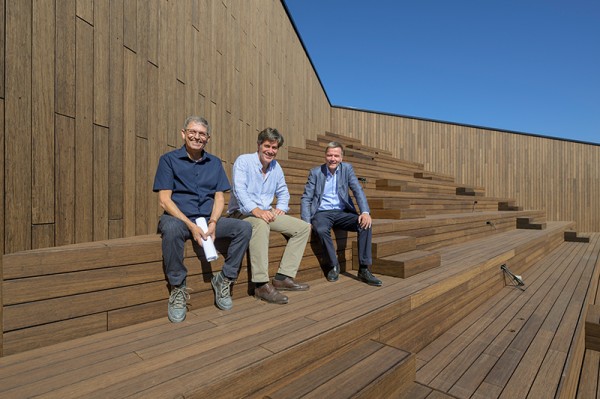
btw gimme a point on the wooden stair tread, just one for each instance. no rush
(367, 368)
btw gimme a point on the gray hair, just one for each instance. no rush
(270, 134)
(198, 120)
(334, 144)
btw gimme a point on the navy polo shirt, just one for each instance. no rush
(193, 183)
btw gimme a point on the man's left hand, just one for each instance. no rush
(364, 221)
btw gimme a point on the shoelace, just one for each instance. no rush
(225, 288)
(179, 297)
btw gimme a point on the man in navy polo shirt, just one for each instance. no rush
(190, 183)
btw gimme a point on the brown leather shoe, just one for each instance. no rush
(268, 293)
(289, 284)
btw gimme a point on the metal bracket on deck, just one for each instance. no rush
(516, 278)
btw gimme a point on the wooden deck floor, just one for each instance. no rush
(517, 344)
(221, 354)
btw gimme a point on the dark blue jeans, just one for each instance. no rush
(324, 221)
(174, 234)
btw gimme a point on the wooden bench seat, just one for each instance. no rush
(232, 354)
(519, 343)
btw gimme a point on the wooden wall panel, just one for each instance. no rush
(85, 10)
(105, 87)
(540, 173)
(65, 180)
(42, 118)
(2, 43)
(100, 219)
(65, 57)
(129, 150)
(101, 63)
(115, 135)
(17, 127)
(84, 132)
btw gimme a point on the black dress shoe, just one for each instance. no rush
(365, 276)
(334, 273)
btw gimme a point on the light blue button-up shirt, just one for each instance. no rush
(330, 199)
(251, 189)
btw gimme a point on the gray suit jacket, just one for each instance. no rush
(313, 191)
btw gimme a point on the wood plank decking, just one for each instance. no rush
(519, 343)
(243, 352)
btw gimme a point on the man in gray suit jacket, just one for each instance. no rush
(326, 204)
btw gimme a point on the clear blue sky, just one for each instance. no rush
(530, 66)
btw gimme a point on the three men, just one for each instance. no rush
(190, 183)
(326, 204)
(257, 178)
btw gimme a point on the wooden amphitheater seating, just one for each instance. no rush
(240, 353)
(88, 320)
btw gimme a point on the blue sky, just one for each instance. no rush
(528, 66)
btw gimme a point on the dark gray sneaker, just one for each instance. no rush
(222, 287)
(178, 304)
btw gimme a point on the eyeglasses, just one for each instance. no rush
(197, 133)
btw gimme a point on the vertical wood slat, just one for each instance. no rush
(65, 180)
(17, 127)
(2, 46)
(42, 118)
(85, 10)
(65, 58)
(115, 136)
(84, 132)
(129, 151)
(101, 63)
(130, 28)
(100, 219)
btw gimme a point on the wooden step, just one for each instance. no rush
(592, 327)
(573, 237)
(382, 246)
(366, 369)
(530, 223)
(398, 213)
(405, 264)
(508, 206)
(434, 176)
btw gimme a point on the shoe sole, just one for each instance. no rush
(371, 284)
(292, 289)
(267, 301)
(175, 320)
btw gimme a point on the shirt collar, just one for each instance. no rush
(183, 154)
(259, 165)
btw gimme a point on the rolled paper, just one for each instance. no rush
(208, 245)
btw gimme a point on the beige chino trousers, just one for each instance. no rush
(298, 232)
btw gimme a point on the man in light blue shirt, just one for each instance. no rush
(257, 179)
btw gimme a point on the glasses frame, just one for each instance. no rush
(196, 133)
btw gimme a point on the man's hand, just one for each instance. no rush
(198, 234)
(364, 221)
(277, 212)
(267, 216)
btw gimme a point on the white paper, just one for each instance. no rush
(209, 246)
